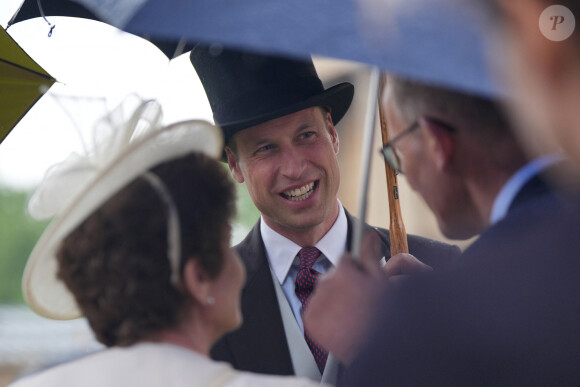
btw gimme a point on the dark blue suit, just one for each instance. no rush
(508, 315)
(260, 344)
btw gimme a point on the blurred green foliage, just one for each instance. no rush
(247, 214)
(18, 234)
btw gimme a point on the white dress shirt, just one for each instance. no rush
(283, 257)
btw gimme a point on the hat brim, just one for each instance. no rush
(338, 98)
(43, 291)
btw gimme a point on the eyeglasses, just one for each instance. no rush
(391, 154)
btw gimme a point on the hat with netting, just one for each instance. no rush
(125, 144)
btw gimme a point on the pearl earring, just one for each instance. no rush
(210, 300)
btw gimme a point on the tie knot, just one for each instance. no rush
(307, 256)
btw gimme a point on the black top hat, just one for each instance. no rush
(246, 89)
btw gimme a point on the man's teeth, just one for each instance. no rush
(301, 193)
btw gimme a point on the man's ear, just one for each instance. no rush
(441, 144)
(332, 132)
(196, 281)
(234, 165)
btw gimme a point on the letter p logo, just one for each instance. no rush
(557, 23)
(557, 20)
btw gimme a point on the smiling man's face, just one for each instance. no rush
(291, 171)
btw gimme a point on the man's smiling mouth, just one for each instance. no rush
(300, 193)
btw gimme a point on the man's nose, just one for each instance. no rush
(293, 163)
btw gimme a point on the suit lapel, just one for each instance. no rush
(260, 344)
(439, 256)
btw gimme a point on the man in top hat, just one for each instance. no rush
(278, 122)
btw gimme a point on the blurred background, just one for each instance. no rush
(88, 84)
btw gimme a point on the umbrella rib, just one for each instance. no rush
(45, 76)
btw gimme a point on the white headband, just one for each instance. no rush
(173, 228)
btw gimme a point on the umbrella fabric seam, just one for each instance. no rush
(48, 77)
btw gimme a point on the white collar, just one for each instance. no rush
(282, 252)
(511, 188)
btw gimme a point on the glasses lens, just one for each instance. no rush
(391, 157)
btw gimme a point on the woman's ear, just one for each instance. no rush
(196, 281)
(441, 144)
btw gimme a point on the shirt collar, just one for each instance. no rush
(510, 189)
(282, 252)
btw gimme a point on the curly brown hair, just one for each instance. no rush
(115, 262)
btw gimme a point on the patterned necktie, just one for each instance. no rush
(304, 284)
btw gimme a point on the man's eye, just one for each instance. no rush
(264, 148)
(306, 135)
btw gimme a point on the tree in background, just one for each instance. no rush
(18, 234)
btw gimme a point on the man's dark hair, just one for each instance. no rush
(116, 264)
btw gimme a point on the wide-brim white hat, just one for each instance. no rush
(121, 150)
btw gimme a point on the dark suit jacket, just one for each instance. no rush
(508, 315)
(260, 344)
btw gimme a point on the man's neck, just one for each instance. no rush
(484, 192)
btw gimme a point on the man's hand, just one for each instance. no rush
(400, 266)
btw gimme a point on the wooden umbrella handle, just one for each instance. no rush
(397, 227)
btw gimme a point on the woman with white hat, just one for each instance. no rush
(140, 245)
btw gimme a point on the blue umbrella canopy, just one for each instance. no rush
(436, 41)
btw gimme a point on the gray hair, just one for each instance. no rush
(480, 114)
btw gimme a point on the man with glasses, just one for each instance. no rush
(459, 153)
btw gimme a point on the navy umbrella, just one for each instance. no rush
(436, 41)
